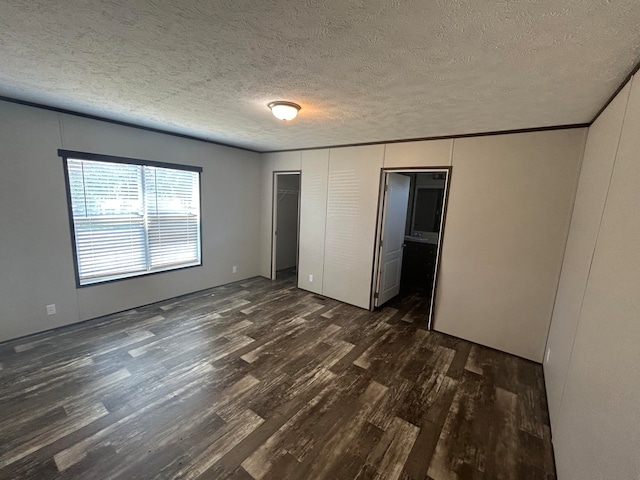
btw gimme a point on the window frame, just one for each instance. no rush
(76, 155)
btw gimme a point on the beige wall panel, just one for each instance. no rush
(428, 153)
(595, 174)
(271, 162)
(598, 428)
(354, 180)
(266, 211)
(507, 222)
(313, 216)
(283, 161)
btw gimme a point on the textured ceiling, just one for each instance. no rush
(363, 71)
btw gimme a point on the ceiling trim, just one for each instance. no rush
(443, 137)
(381, 142)
(119, 122)
(634, 70)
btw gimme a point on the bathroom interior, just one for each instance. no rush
(422, 233)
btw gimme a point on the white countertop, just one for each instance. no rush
(426, 237)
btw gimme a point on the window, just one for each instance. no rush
(131, 217)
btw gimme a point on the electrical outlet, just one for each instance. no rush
(548, 355)
(51, 309)
(234, 269)
(311, 278)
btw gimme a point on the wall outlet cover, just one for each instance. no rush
(234, 269)
(51, 309)
(311, 278)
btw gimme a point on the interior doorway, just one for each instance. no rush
(286, 224)
(411, 218)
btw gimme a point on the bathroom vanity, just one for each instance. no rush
(419, 260)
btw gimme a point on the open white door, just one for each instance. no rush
(394, 217)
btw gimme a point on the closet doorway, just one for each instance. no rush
(411, 217)
(285, 224)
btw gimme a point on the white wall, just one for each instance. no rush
(35, 246)
(506, 227)
(595, 175)
(596, 429)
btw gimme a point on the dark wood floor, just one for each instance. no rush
(260, 380)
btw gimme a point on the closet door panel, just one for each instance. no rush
(352, 204)
(313, 216)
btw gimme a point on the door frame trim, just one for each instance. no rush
(378, 231)
(274, 218)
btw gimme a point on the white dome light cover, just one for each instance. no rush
(284, 110)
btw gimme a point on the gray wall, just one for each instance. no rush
(35, 246)
(592, 370)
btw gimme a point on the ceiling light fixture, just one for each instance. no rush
(284, 110)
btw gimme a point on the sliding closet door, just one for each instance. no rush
(352, 204)
(313, 216)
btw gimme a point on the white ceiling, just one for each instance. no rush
(363, 71)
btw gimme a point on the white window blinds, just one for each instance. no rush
(131, 219)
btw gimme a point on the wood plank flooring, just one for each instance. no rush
(261, 380)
